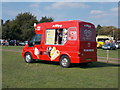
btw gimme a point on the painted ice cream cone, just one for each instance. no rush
(52, 51)
(38, 56)
(36, 52)
(56, 54)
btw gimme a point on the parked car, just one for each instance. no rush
(118, 44)
(1, 41)
(21, 44)
(4, 43)
(100, 44)
(26, 42)
(11, 42)
(109, 47)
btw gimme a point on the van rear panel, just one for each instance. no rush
(87, 43)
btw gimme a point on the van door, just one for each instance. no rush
(87, 43)
(49, 43)
(34, 46)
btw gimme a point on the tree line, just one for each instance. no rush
(21, 28)
(109, 31)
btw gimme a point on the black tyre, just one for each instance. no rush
(65, 61)
(28, 58)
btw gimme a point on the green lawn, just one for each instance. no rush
(112, 53)
(43, 74)
(12, 47)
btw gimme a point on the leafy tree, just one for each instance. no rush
(21, 28)
(99, 27)
(25, 22)
(117, 34)
(108, 30)
(5, 30)
(46, 19)
(0, 32)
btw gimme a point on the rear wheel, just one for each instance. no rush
(28, 58)
(65, 61)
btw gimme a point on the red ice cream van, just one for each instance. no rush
(65, 42)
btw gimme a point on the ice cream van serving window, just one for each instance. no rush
(56, 36)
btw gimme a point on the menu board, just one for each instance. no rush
(50, 36)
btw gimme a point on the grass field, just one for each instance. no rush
(12, 47)
(112, 53)
(43, 74)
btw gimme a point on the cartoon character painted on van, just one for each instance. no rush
(53, 53)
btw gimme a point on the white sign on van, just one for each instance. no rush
(86, 25)
(88, 50)
(56, 25)
(38, 28)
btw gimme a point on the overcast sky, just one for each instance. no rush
(103, 13)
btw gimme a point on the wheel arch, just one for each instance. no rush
(31, 60)
(65, 55)
(28, 52)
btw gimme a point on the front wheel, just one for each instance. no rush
(28, 58)
(65, 61)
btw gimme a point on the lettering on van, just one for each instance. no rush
(38, 28)
(86, 25)
(56, 25)
(88, 50)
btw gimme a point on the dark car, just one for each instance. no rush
(109, 47)
(12, 43)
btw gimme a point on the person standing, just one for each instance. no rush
(59, 37)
